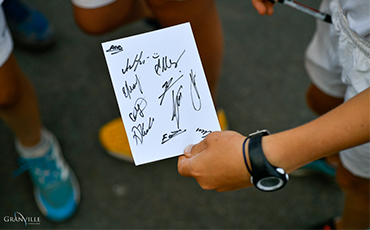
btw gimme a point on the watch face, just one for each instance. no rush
(270, 183)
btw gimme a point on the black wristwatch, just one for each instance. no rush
(264, 176)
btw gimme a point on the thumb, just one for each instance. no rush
(187, 151)
(186, 162)
(192, 150)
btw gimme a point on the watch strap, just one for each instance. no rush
(245, 159)
(256, 155)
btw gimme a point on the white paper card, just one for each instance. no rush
(162, 92)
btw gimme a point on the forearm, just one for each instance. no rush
(217, 161)
(342, 128)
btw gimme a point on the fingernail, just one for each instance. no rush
(188, 149)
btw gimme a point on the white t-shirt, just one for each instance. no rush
(6, 41)
(357, 13)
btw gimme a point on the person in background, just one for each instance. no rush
(29, 27)
(338, 62)
(101, 16)
(56, 189)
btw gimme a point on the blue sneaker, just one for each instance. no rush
(28, 26)
(318, 166)
(56, 189)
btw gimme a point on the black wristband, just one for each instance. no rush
(266, 177)
(245, 159)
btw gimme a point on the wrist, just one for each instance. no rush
(277, 151)
(272, 151)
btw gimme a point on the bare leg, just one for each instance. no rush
(320, 102)
(356, 207)
(19, 109)
(107, 18)
(18, 103)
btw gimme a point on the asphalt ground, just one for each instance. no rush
(263, 85)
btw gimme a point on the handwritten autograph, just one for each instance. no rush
(193, 88)
(176, 106)
(139, 107)
(167, 85)
(162, 64)
(166, 137)
(165, 63)
(140, 131)
(137, 62)
(203, 132)
(128, 89)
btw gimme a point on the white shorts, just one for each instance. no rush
(92, 4)
(338, 62)
(6, 41)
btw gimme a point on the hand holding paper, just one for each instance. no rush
(216, 162)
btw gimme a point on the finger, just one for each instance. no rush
(187, 150)
(192, 150)
(259, 6)
(269, 8)
(183, 166)
(263, 7)
(185, 162)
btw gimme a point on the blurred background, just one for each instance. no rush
(262, 85)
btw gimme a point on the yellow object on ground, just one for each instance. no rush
(113, 137)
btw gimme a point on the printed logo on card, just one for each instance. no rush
(114, 49)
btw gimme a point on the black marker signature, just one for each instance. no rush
(167, 85)
(127, 89)
(176, 105)
(139, 107)
(203, 132)
(166, 137)
(165, 63)
(140, 131)
(193, 87)
(137, 61)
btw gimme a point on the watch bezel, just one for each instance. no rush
(270, 188)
